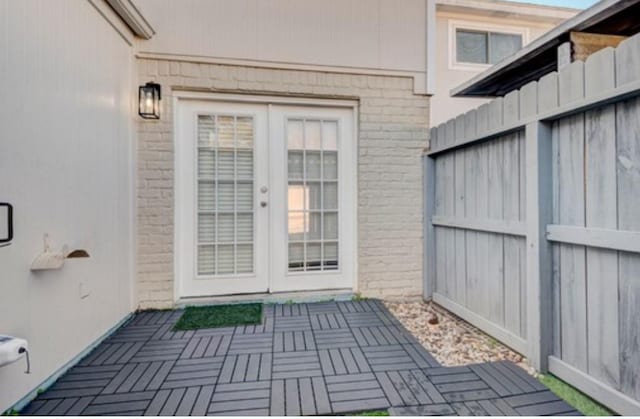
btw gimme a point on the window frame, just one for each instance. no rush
(475, 26)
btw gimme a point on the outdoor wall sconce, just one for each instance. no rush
(149, 101)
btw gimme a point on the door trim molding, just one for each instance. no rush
(186, 95)
(265, 99)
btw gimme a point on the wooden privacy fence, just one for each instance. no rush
(532, 209)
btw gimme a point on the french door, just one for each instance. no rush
(265, 198)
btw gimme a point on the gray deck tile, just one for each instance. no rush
(423, 410)
(463, 396)
(531, 398)
(120, 408)
(545, 409)
(188, 401)
(303, 359)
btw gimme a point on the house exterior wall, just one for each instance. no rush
(448, 76)
(373, 36)
(65, 165)
(392, 126)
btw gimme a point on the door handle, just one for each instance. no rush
(9, 222)
(263, 204)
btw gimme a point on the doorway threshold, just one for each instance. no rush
(270, 298)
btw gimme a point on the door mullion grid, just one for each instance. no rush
(321, 195)
(305, 197)
(235, 195)
(216, 189)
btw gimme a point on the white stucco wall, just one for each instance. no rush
(65, 164)
(376, 36)
(443, 106)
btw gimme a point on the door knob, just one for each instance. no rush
(264, 189)
(263, 204)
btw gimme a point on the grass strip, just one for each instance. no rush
(583, 403)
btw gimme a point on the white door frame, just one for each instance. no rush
(180, 97)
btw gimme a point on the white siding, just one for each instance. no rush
(65, 165)
(382, 35)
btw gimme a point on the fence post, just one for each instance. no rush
(539, 268)
(429, 259)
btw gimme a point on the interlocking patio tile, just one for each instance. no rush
(296, 365)
(246, 367)
(389, 358)
(334, 338)
(290, 341)
(302, 359)
(423, 410)
(324, 321)
(343, 361)
(251, 344)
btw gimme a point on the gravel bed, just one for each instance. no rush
(452, 341)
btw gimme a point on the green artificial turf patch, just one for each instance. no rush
(219, 316)
(583, 403)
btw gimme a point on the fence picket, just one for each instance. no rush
(573, 311)
(601, 211)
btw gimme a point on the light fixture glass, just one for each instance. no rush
(149, 101)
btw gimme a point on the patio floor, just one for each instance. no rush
(305, 359)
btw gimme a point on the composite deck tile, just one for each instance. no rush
(423, 410)
(325, 307)
(334, 338)
(292, 323)
(367, 319)
(469, 395)
(389, 358)
(290, 341)
(303, 359)
(531, 398)
(295, 365)
(324, 321)
(545, 409)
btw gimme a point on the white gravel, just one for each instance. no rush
(452, 341)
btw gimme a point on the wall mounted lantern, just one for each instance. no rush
(149, 101)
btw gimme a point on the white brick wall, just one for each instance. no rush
(393, 128)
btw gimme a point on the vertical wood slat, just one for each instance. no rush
(573, 312)
(494, 278)
(438, 168)
(514, 315)
(471, 170)
(628, 199)
(601, 211)
(429, 263)
(459, 211)
(548, 98)
(449, 209)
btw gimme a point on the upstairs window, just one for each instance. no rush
(484, 47)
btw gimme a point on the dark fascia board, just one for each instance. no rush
(130, 14)
(481, 85)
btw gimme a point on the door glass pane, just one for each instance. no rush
(225, 195)
(330, 136)
(312, 164)
(471, 46)
(314, 231)
(330, 164)
(295, 135)
(312, 201)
